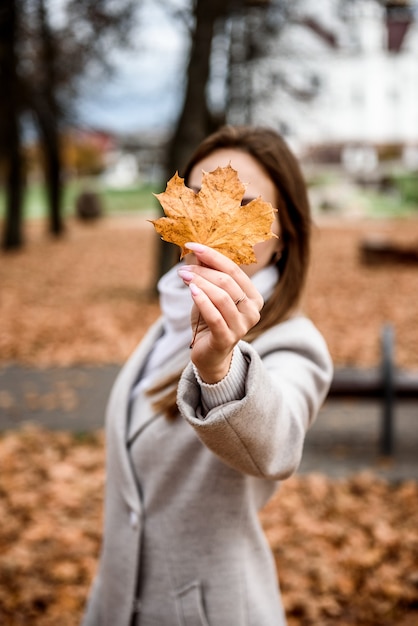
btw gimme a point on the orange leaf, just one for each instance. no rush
(214, 216)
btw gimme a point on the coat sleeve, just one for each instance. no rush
(288, 376)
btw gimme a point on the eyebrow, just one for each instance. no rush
(245, 200)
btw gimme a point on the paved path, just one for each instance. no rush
(342, 441)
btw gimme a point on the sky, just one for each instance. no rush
(145, 89)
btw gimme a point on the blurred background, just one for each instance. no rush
(112, 97)
(100, 103)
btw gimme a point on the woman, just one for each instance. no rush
(197, 438)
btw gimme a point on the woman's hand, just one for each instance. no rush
(227, 306)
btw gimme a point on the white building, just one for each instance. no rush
(366, 93)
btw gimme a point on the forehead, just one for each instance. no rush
(250, 172)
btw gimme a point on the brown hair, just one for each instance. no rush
(270, 150)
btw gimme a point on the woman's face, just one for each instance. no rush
(257, 182)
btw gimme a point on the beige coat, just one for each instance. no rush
(182, 542)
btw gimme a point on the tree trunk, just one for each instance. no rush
(194, 122)
(13, 235)
(49, 117)
(53, 168)
(10, 127)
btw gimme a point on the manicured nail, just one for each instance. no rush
(194, 289)
(195, 247)
(185, 274)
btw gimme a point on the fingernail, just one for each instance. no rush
(185, 274)
(195, 247)
(194, 289)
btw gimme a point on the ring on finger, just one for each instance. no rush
(241, 299)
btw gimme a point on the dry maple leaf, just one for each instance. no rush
(214, 216)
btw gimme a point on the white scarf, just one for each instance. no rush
(176, 304)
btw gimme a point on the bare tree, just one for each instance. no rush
(245, 28)
(196, 118)
(194, 121)
(10, 131)
(48, 115)
(45, 61)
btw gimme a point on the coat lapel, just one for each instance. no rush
(142, 411)
(119, 406)
(117, 420)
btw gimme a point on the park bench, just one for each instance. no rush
(386, 383)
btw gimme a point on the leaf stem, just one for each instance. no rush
(195, 331)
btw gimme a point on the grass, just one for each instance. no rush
(400, 199)
(388, 205)
(132, 199)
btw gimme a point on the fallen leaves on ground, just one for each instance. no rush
(346, 550)
(214, 216)
(89, 297)
(85, 299)
(51, 509)
(350, 302)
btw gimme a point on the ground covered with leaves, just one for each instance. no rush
(89, 298)
(346, 550)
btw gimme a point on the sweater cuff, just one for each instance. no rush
(230, 388)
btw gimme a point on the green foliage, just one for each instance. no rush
(407, 185)
(400, 199)
(387, 205)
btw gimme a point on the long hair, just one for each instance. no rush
(270, 150)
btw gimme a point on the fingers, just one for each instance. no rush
(227, 275)
(226, 324)
(240, 314)
(225, 296)
(220, 291)
(218, 285)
